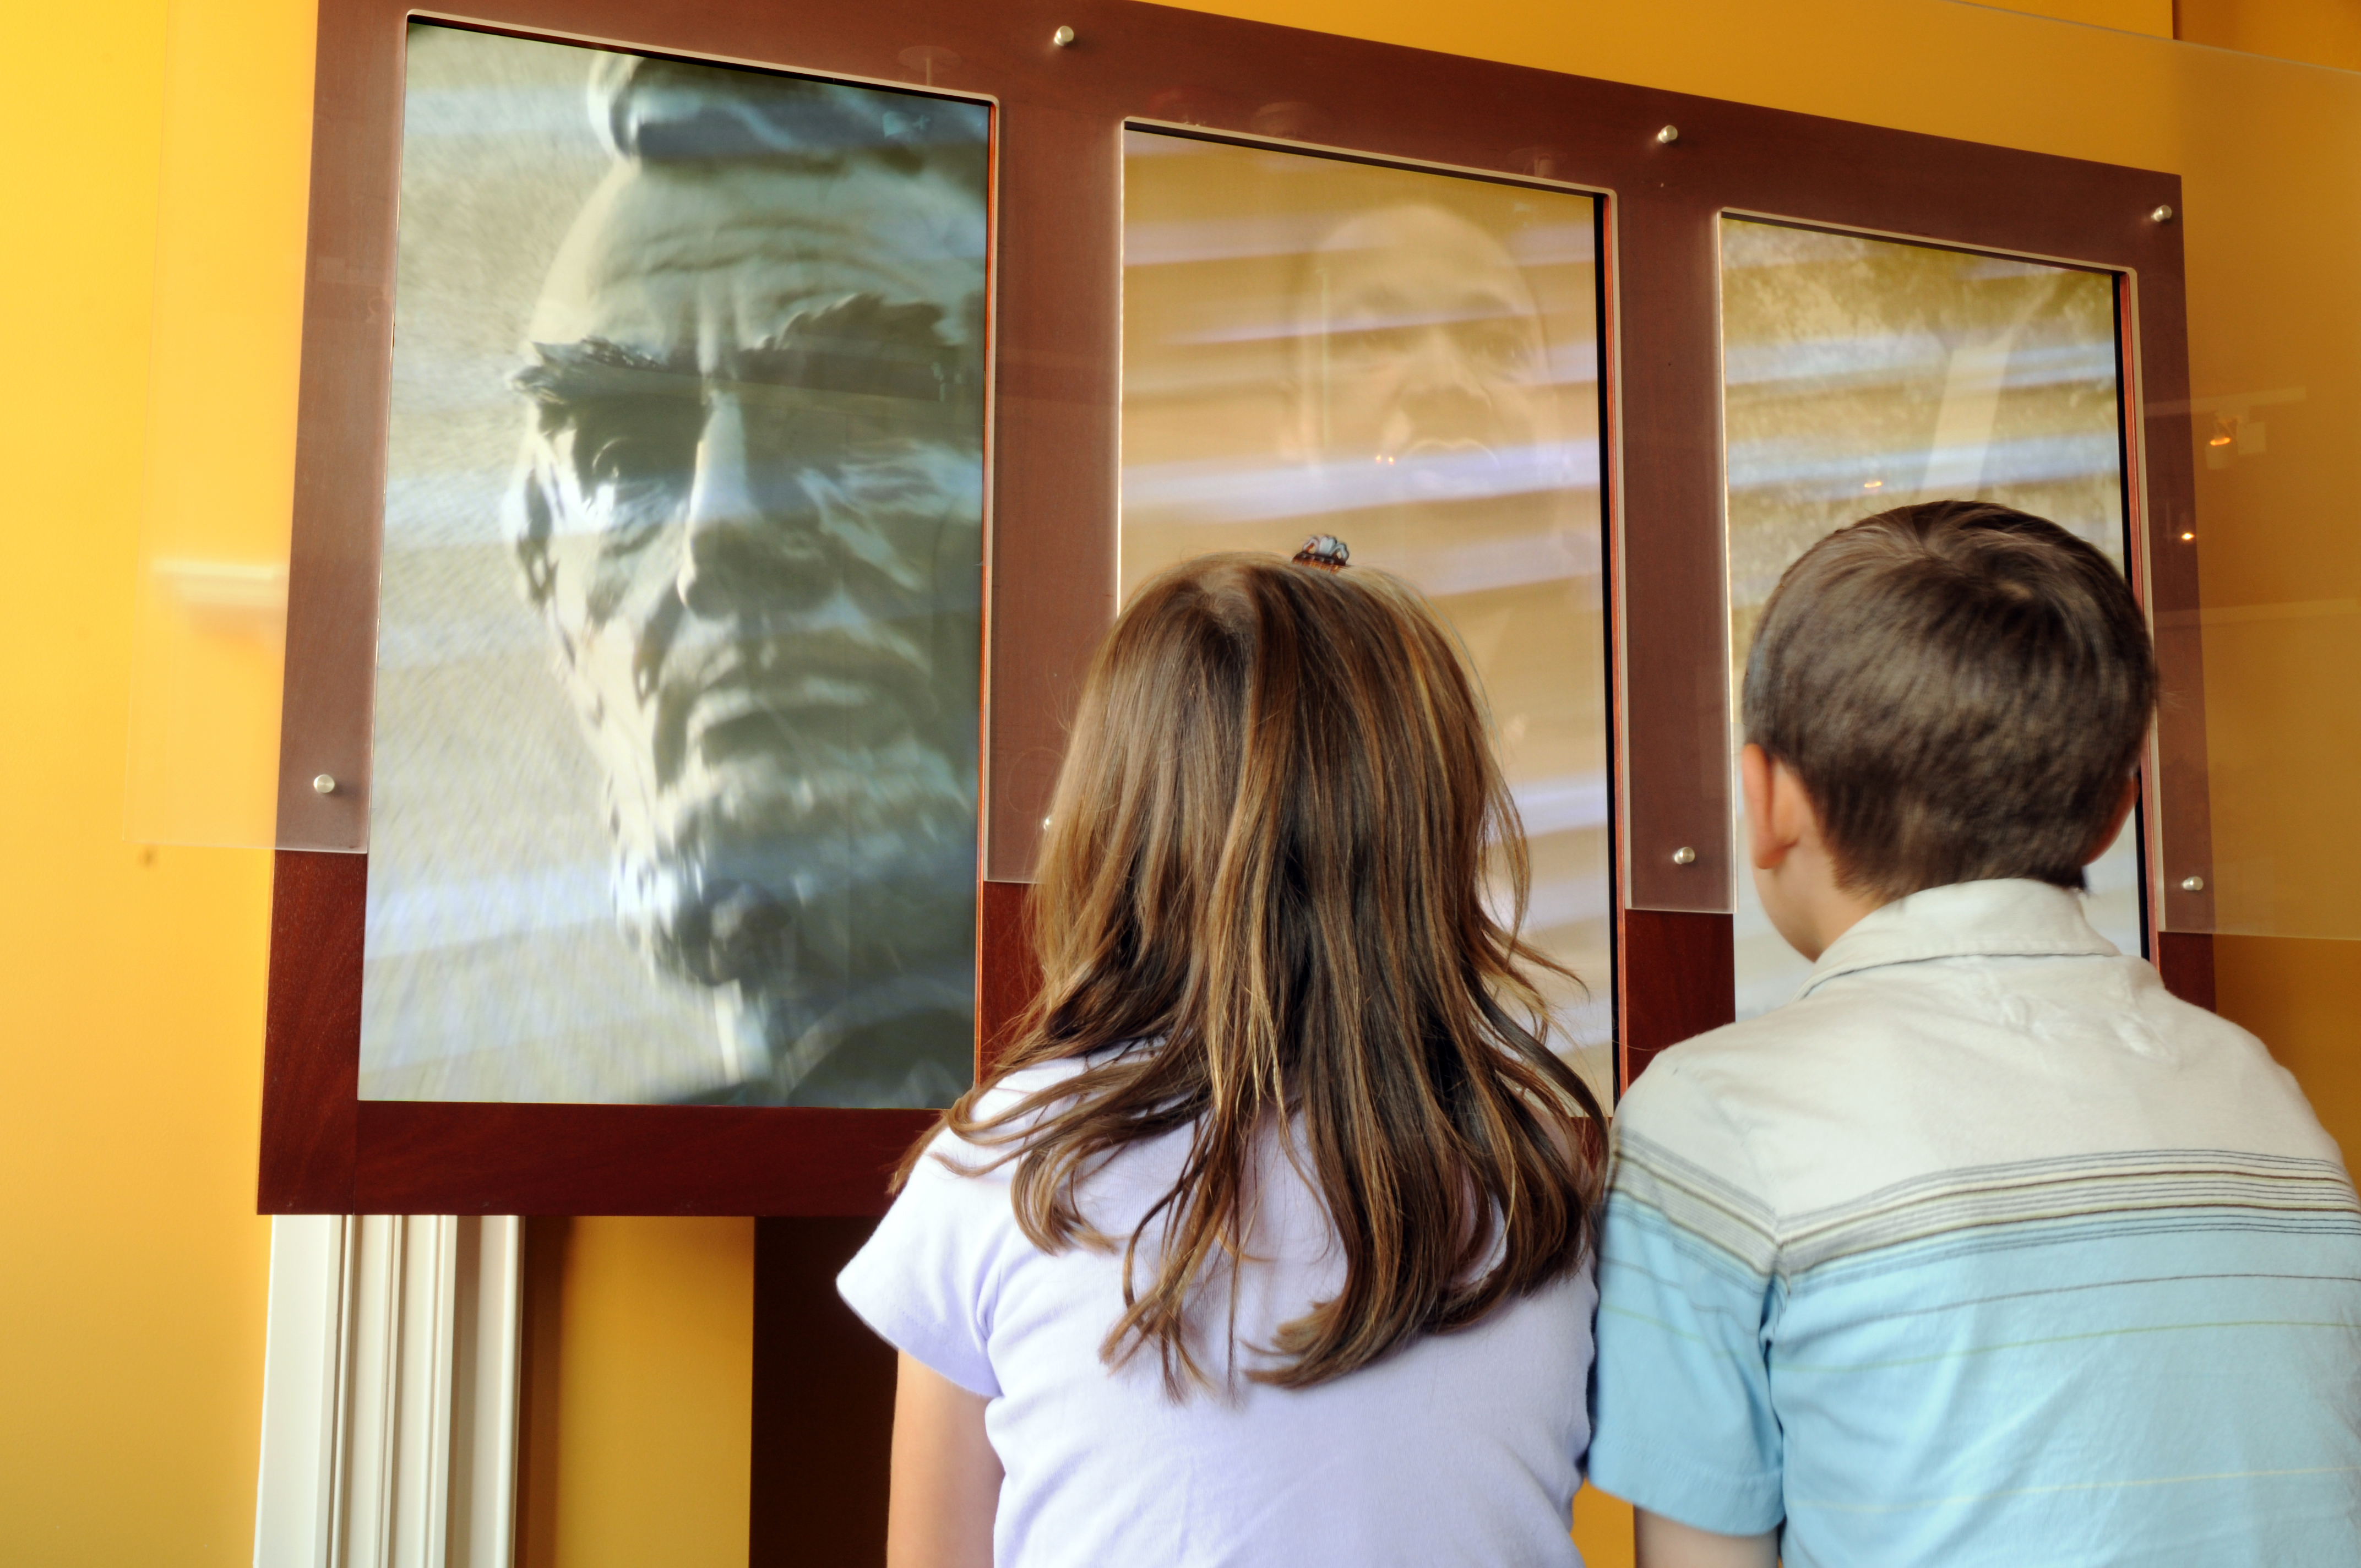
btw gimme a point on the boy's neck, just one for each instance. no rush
(1811, 908)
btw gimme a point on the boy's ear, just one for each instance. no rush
(2115, 819)
(1769, 832)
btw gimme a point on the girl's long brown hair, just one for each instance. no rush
(1268, 852)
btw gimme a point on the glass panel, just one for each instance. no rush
(678, 659)
(208, 648)
(1862, 374)
(209, 597)
(1409, 361)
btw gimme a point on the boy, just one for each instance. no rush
(1984, 1250)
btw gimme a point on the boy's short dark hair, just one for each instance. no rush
(1963, 690)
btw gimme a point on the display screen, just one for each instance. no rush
(1408, 360)
(674, 792)
(1863, 374)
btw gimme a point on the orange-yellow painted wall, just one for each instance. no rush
(640, 1453)
(2322, 32)
(132, 1267)
(2304, 998)
(130, 1016)
(2152, 18)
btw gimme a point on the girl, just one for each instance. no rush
(1267, 1242)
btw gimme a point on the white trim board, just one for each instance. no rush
(390, 1392)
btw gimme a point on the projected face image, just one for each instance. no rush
(1407, 360)
(751, 510)
(1426, 354)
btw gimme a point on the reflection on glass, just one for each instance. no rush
(1408, 361)
(736, 318)
(1863, 374)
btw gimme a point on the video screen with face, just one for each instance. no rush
(1407, 360)
(1863, 374)
(674, 792)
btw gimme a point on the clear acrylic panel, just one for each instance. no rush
(680, 629)
(208, 649)
(1861, 373)
(209, 591)
(1408, 360)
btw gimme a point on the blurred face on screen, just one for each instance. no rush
(1423, 356)
(754, 516)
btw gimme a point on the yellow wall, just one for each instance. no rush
(132, 1301)
(2324, 32)
(2152, 18)
(132, 1268)
(640, 1453)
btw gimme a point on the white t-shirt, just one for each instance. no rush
(1459, 1448)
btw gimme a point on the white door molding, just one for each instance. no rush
(390, 1392)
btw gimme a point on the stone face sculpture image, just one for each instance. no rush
(750, 506)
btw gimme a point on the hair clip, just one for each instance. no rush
(1324, 551)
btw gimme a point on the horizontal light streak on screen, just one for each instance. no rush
(1848, 364)
(1749, 243)
(428, 1030)
(482, 909)
(1221, 490)
(1481, 567)
(1823, 476)
(1569, 901)
(497, 115)
(1301, 233)
(436, 1025)
(455, 640)
(1573, 365)
(1564, 805)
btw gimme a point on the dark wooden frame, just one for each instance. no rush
(1052, 540)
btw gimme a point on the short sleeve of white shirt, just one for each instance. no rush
(924, 1280)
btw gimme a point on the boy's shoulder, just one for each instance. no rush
(1898, 1073)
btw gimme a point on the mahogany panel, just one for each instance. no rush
(428, 1157)
(311, 1037)
(1008, 973)
(541, 1307)
(823, 1407)
(1058, 281)
(1673, 708)
(2177, 800)
(1679, 979)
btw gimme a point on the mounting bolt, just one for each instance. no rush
(2162, 214)
(1684, 856)
(325, 783)
(2192, 884)
(1668, 135)
(1063, 37)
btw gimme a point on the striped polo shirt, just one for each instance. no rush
(1983, 1250)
